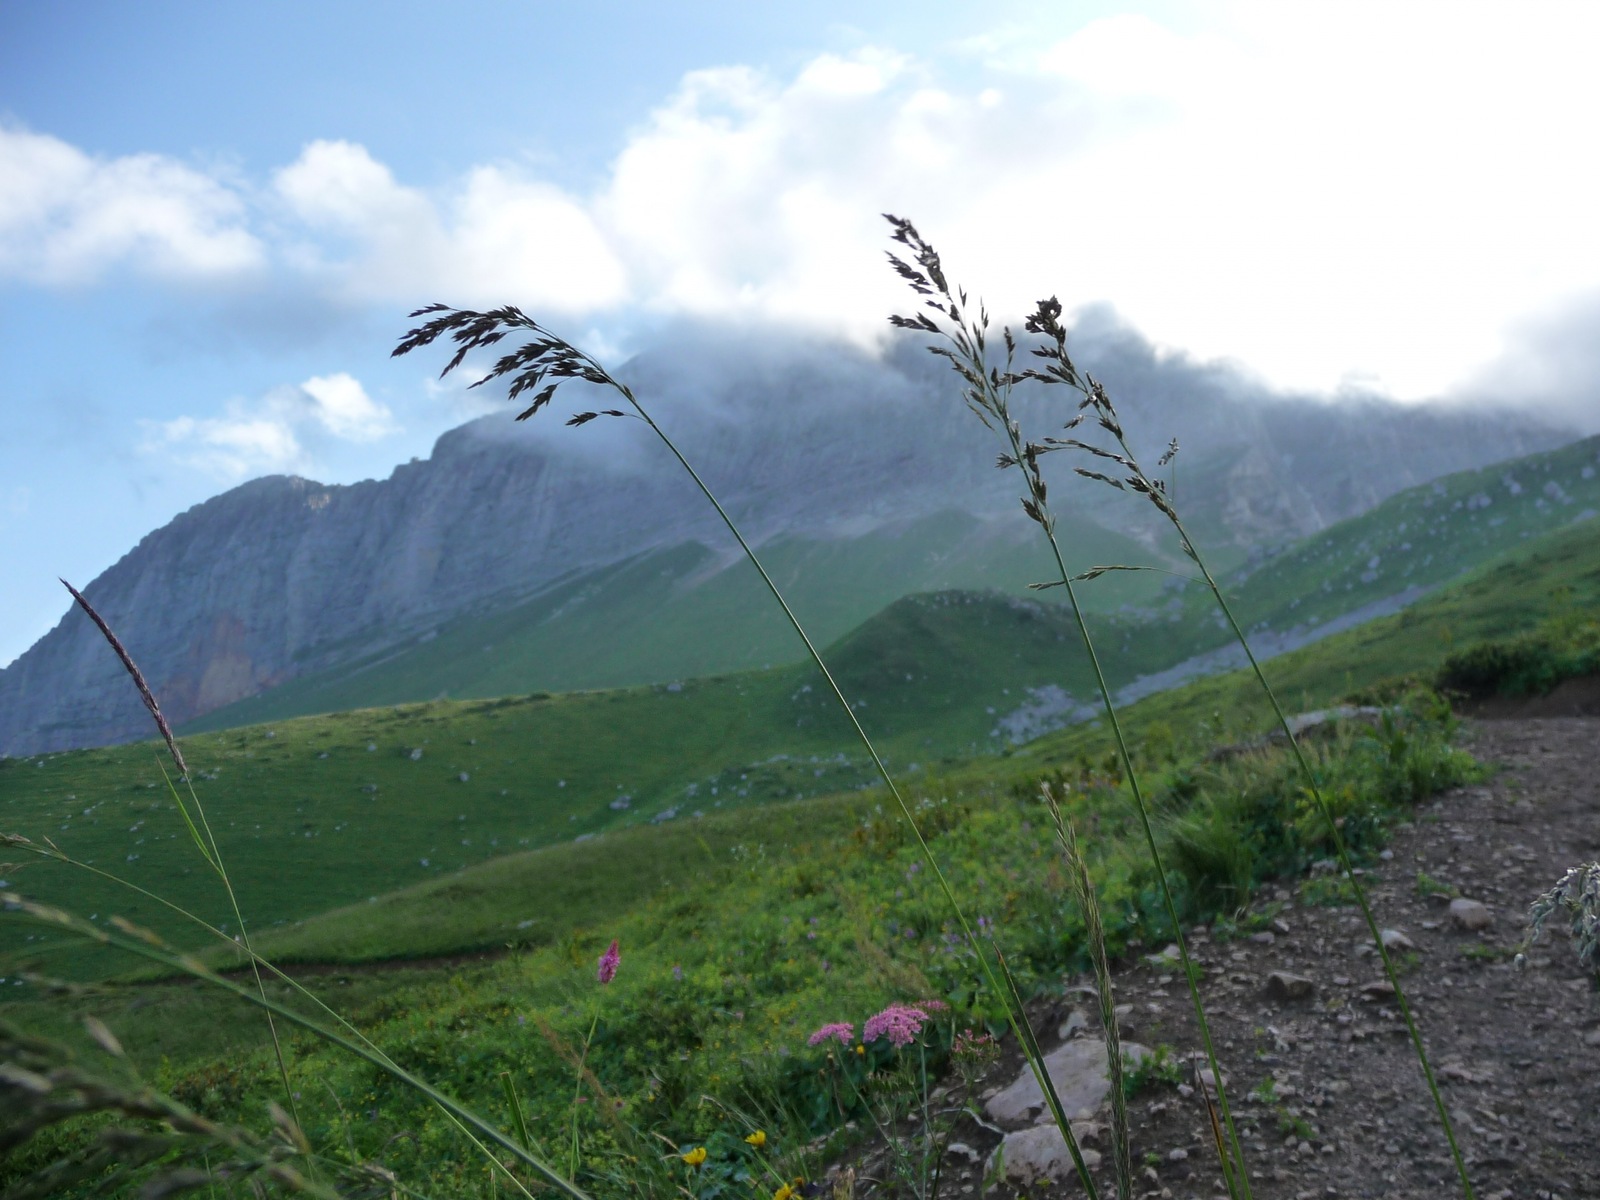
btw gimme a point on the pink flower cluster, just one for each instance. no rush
(971, 1043)
(842, 1030)
(900, 1023)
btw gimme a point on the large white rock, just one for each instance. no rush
(1078, 1070)
(1029, 1156)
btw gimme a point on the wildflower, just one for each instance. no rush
(695, 1157)
(972, 1045)
(757, 1139)
(843, 1030)
(789, 1190)
(900, 1023)
(609, 961)
(677, 973)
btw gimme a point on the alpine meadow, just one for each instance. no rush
(1162, 828)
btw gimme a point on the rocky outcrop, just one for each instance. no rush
(281, 576)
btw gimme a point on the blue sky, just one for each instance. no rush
(214, 216)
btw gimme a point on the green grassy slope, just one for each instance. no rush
(1549, 576)
(685, 612)
(294, 856)
(315, 812)
(1554, 574)
(1420, 538)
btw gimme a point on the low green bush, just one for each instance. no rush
(1531, 664)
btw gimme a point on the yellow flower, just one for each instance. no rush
(789, 1190)
(695, 1157)
(860, 1049)
(758, 1139)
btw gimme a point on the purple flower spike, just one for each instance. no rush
(609, 962)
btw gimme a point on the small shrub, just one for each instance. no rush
(1427, 886)
(1214, 855)
(1529, 665)
(1160, 1068)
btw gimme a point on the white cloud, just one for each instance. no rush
(268, 435)
(494, 235)
(66, 217)
(1325, 192)
(232, 447)
(341, 405)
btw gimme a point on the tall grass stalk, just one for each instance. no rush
(987, 393)
(1061, 371)
(1094, 935)
(208, 844)
(545, 362)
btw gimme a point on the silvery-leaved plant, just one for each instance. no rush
(1577, 894)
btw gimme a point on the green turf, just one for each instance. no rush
(349, 845)
(686, 612)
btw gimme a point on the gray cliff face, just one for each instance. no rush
(283, 575)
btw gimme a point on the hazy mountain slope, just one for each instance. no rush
(281, 578)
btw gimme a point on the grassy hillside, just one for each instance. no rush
(303, 836)
(725, 971)
(1419, 538)
(316, 812)
(687, 612)
(1557, 574)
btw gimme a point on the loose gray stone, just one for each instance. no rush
(1077, 1021)
(1078, 1071)
(1470, 914)
(1394, 939)
(1285, 985)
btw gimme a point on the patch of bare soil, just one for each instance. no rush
(1326, 1091)
(1578, 697)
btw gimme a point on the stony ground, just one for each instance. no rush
(1325, 1089)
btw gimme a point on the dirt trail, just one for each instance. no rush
(1517, 1052)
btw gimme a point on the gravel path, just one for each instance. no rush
(1327, 1094)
